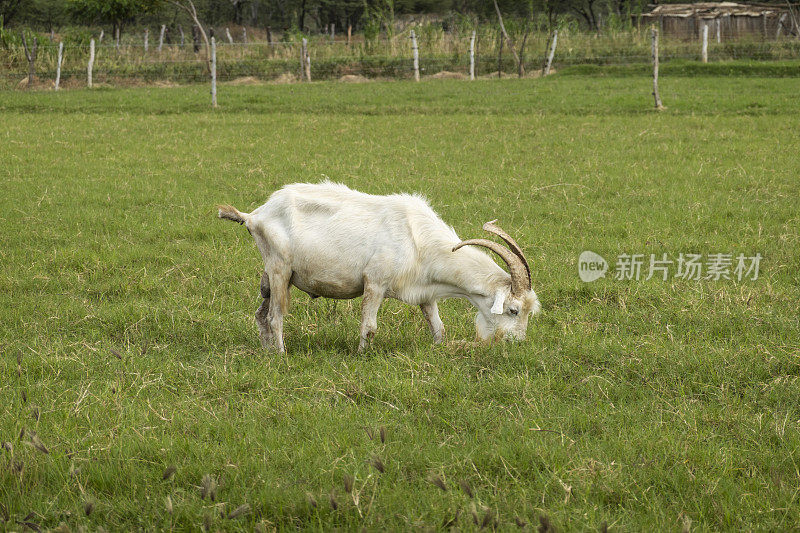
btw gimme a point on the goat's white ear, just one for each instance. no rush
(499, 300)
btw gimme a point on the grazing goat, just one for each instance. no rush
(328, 240)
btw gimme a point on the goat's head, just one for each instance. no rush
(504, 315)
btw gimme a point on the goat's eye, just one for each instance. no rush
(513, 312)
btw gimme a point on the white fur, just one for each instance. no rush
(331, 241)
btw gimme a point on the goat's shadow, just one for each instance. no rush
(323, 326)
(328, 326)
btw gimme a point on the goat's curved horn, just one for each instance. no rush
(519, 280)
(491, 227)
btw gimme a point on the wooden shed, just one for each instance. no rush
(725, 20)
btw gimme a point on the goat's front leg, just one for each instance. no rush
(431, 313)
(373, 297)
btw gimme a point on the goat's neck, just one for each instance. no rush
(471, 275)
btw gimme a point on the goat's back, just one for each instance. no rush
(348, 219)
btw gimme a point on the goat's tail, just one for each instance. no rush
(231, 213)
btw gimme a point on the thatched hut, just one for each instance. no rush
(725, 20)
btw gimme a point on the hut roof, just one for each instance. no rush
(712, 10)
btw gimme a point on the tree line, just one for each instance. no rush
(306, 15)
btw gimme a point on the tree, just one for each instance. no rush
(188, 7)
(511, 46)
(238, 7)
(8, 9)
(47, 13)
(116, 12)
(586, 9)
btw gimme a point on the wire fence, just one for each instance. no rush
(136, 64)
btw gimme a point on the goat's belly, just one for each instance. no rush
(338, 288)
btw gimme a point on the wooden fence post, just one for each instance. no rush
(719, 30)
(146, 39)
(551, 53)
(704, 49)
(303, 46)
(472, 56)
(58, 66)
(349, 33)
(780, 26)
(30, 54)
(244, 34)
(100, 39)
(500, 57)
(161, 37)
(213, 72)
(654, 37)
(415, 53)
(305, 61)
(116, 38)
(228, 33)
(333, 32)
(91, 64)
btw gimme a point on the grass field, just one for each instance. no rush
(129, 346)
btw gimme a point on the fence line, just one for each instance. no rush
(469, 57)
(447, 39)
(397, 68)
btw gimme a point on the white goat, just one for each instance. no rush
(328, 240)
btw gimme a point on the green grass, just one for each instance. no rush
(682, 68)
(128, 342)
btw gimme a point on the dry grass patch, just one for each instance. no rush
(245, 80)
(354, 78)
(286, 77)
(447, 75)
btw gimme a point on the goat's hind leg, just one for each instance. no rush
(262, 315)
(278, 305)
